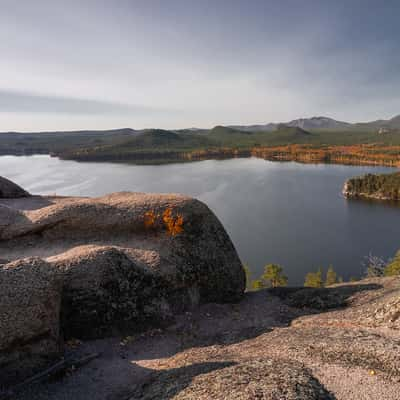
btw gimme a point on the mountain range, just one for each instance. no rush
(316, 123)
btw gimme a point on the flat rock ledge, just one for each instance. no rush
(90, 268)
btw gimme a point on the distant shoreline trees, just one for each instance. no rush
(378, 186)
(273, 275)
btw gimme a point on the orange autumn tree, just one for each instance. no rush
(174, 225)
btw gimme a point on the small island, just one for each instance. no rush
(374, 186)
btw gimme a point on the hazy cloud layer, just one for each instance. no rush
(18, 102)
(217, 62)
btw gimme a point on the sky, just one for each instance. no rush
(101, 64)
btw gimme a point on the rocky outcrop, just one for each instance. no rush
(274, 344)
(125, 262)
(175, 243)
(254, 379)
(9, 189)
(29, 317)
(271, 345)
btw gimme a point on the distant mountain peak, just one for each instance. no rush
(318, 122)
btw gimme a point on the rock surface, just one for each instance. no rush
(106, 292)
(9, 189)
(126, 258)
(268, 346)
(126, 262)
(29, 318)
(255, 379)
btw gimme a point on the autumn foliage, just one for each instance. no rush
(360, 154)
(150, 219)
(173, 223)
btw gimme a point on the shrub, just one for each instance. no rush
(393, 268)
(375, 266)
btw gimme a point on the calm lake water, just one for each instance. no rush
(287, 213)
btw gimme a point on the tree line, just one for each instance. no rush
(273, 275)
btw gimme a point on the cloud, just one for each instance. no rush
(185, 62)
(21, 102)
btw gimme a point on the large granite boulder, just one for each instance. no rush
(107, 292)
(127, 259)
(9, 189)
(90, 268)
(30, 295)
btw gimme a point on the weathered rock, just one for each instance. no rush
(29, 317)
(219, 350)
(8, 216)
(9, 189)
(106, 292)
(387, 314)
(153, 256)
(255, 379)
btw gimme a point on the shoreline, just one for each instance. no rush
(357, 155)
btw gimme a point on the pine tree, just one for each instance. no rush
(331, 276)
(314, 279)
(273, 276)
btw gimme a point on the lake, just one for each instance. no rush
(275, 212)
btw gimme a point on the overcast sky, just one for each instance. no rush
(99, 64)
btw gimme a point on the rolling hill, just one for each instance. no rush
(165, 145)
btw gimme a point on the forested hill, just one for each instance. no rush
(327, 140)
